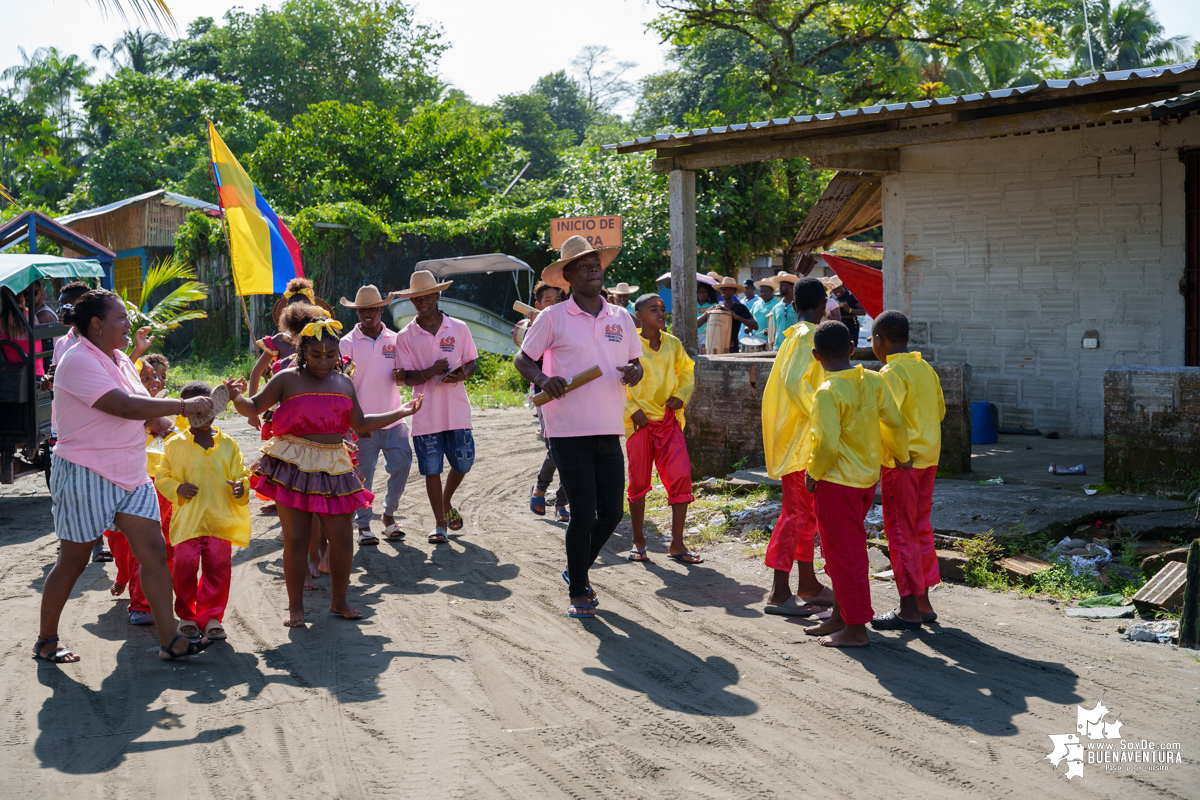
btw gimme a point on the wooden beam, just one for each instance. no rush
(867, 161)
(881, 140)
(1120, 93)
(681, 186)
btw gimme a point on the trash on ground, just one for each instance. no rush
(886, 575)
(992, 482)
(1161, 632)
(1022, 567)
(1083, 556)
(1100, 613)
(1058, 469)
(875, 515)
(1163, 592)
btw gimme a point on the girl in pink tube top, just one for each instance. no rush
(306, 467)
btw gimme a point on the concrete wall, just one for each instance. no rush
(724, 419)
(1152, 428)
(1005, 252)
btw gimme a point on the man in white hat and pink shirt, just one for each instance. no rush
(372, 348)
(584, 426)
(438, 355)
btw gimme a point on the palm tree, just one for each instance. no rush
(169, 312)
(49, 79)
(142, 51)
(1126, 37)
(151, 12)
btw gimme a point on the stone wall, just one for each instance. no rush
(1007, 252)
(724, 419)
(1152, 429)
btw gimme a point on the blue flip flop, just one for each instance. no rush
(537, 504)
(593, 598)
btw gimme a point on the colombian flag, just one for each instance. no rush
(265, 255)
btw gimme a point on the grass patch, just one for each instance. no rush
(701, 513)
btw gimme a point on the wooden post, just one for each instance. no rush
(682, 202)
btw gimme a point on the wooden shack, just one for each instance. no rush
(140, 230)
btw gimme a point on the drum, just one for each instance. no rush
(752, 344)
(719, 327)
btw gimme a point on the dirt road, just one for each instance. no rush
(466, 679)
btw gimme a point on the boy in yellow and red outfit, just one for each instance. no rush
(654, 428)
(854, 421)
(908, 493)
(786, 411)
(204, 474)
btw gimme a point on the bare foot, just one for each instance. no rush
(279, 537)
(314, 569)
(849, 636)
(310, 585)
(822, 597)
(346, 610)
(825, 628)
(324, 565)
(295, 619)
(117, 589)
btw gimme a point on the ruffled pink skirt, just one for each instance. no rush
(308, 476)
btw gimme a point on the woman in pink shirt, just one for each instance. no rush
(98, 475)
(584, 427)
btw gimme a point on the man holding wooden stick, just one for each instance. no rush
(584, 418)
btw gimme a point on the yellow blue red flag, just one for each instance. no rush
(265, 255)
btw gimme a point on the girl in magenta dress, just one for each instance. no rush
(306, 467)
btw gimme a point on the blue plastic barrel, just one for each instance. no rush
(983, 422)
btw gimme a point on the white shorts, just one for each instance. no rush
(84, 503)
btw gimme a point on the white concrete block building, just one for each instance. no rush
(1041, 235)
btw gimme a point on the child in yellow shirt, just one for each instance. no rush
(908, 493)
(854, 421)
(654, 428)
(203, 473)
(786, 410)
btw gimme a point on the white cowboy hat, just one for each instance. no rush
(574, 248)
(623, 288)
(368, 297)
(832, 282)
(422, 283)
(785, 277)
(728, 283)
(767, 282)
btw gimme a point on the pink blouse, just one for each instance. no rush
(310, 413)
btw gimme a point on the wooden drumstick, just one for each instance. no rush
(521, 308)
(587, 376)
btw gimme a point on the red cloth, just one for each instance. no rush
(128, 569)
(865, 283)
(795, 531)
(204, 599)
(907, 505)
(663, 444)
(841, 511)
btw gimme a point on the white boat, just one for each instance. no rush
(492, 333)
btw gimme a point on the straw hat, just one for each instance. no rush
(716, 276)
(785, 277)
(832, 282)
(281, 304)
(368, 297)
(422, 283)
(767, 282)
(574, 248)
(623, 288)
(728, 283)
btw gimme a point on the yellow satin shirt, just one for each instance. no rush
(668, 373)
(854, 420)
(214, 511)
(918, 393)
(787, 402)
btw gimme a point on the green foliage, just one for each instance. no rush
(362, 223)
(212, 369)
(313, 51)
(170, 311)
(336, 152)
(1127, 36)
(527, 117)
(496, 383)
(519, 231)
(199, 236)
(982, 552)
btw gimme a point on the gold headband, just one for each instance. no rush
(304, 291)
(317, 329)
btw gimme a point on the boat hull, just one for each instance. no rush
(492, 334)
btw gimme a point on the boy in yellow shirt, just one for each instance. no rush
(854, 421)
(654, 428)
(786, 409)
(908, 493)
(203, 473)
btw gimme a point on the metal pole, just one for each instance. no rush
(1087, 31)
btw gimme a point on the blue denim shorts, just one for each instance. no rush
(457, 446)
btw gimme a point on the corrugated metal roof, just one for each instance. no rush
(850, 204)
(948, 103)
(168, 199)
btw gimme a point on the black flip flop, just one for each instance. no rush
(892, 621)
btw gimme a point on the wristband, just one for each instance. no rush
(182, 413)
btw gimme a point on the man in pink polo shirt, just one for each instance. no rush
(584, 426)
(372, 348)
(437, 355)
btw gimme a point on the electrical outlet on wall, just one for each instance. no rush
(1091, 340)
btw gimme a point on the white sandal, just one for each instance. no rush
(392, 532)
(183, 622)
(365, 537)
(208, 629)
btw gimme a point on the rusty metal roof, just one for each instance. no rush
(850, 204)
(1046, 90)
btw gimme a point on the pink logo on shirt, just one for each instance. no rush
(447, 344)
(389, 351)
(614, 333)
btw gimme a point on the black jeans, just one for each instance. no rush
(546, 474)
(592, 468)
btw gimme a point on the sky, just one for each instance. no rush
(497, 48)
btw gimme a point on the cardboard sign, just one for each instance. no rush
(599, 231)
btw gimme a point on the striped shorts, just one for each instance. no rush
(84, 504)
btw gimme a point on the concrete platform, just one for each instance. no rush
(1024, 461)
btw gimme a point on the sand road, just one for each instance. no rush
(466, 679)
